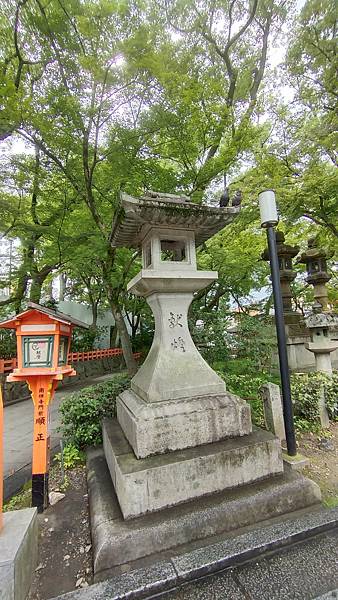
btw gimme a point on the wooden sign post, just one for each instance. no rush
(42, 390)
(43, 341)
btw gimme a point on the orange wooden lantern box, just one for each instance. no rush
(43, 341)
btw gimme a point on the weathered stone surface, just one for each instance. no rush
(253, 543)
(18, 553)
(149, 484)
(134, 214)
(140, 583)
(156, 428)
(329, 596)
(174, 368)
(116, 541)
(295, 463)
(273, 410)
(301, 573)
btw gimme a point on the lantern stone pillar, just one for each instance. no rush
(177, 406)
(175, 400)
(320, 326)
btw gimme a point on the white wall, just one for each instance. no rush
(84, 313)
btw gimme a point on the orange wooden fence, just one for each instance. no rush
(8, 364)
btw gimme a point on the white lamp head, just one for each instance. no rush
(268, 209)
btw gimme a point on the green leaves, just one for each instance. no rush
(306, 389)
(83, 411)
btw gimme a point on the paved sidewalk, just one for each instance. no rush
(18, 434)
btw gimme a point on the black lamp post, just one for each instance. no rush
(269, 219)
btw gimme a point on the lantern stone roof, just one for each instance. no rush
(54, 315)
(282, 248)
(313, 252)
(135, 216)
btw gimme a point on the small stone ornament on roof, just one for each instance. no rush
(164, 197)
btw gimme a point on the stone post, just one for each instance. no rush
(273, 409)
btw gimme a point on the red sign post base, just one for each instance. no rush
(42, 389)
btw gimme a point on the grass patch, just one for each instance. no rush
(21, 500)
(331, 502)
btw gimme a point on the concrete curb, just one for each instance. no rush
(168, 575)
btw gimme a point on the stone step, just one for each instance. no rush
(153, 483)
(117, 541)
(177, 570)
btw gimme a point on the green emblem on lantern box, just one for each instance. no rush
(38, 350)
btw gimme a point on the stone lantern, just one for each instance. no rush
(320, 326)
(285, 255)
(321, 345)
(169, 390)
(315, 260)
(180, 440)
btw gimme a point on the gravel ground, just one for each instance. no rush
(65, 558)
(323, 455)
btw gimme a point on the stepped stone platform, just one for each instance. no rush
(153, 483)
(117, 541)
(301, 564)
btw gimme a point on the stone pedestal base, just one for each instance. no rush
(160, 427)
(18, 553)
(150, 484)
(117, 542)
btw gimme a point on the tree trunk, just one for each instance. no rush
(94, 304)
(36, 289)
(21, 288)
(124, 337)
(94, 313)
(63, 283)
(38, 279)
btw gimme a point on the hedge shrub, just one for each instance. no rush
(83, 411)
(306, 389)
(248, 387)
